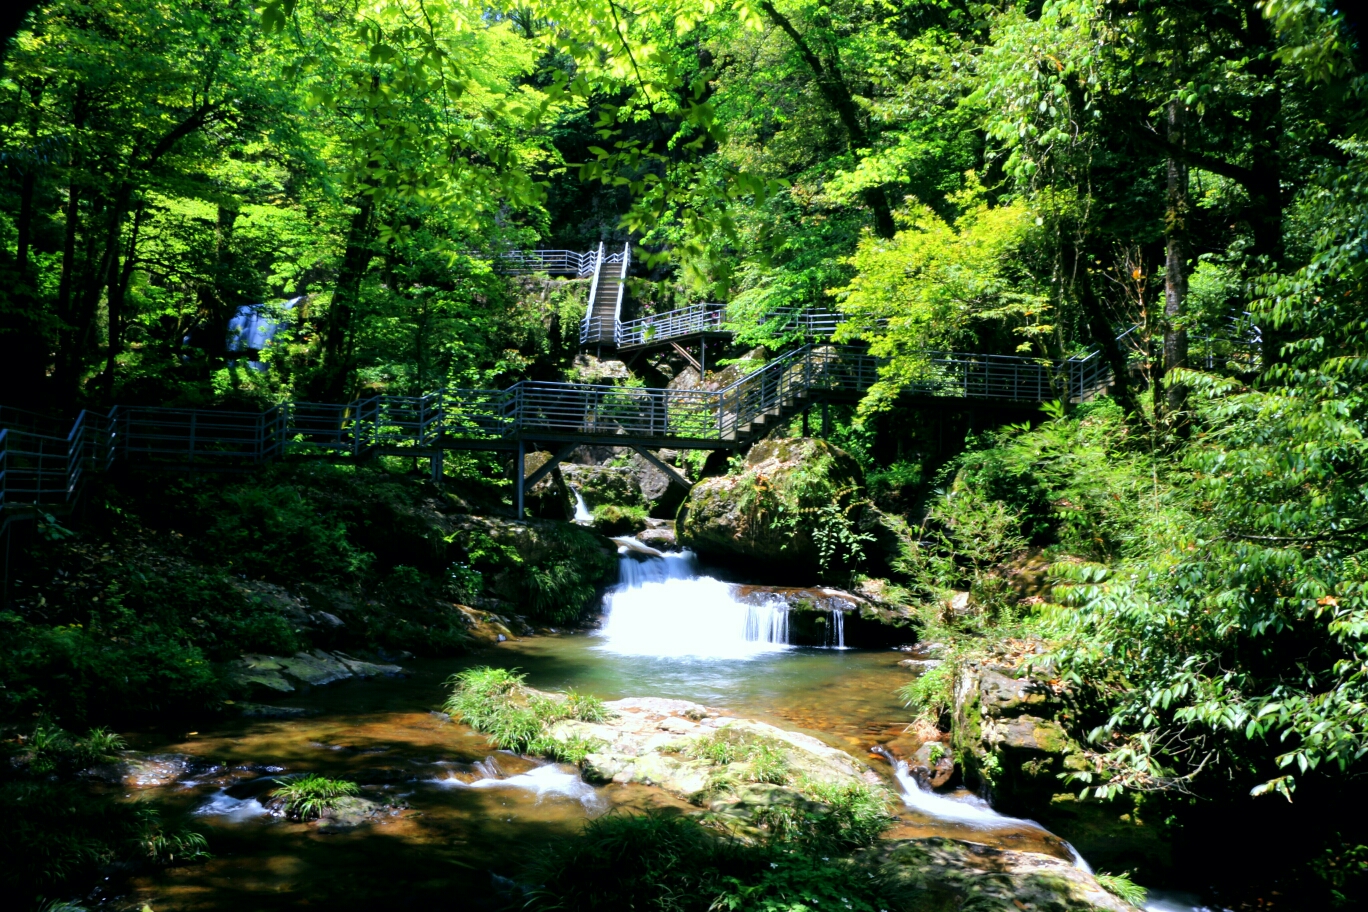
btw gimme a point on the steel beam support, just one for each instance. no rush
(670, 471)
(556, 459)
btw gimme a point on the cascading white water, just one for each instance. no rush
(582, 515)
(662, 607)
(972, 812)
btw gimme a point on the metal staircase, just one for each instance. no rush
(603, 315)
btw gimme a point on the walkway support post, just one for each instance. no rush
(826, 420)
(519, 466)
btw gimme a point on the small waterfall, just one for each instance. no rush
(972, 812)
(836, 629)
(661, 606)
(582, 515)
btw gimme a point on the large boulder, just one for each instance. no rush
(768, 516)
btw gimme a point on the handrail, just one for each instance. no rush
(37, 468)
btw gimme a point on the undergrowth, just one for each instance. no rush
(496, 702)
(62, 828)
(669, 863)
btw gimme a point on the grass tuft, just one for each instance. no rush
(310, 796)
(496, 701)
(1122, 887)
(764, 759)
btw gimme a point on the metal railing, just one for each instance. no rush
(44, 468)
(552, 262)
(603, 315)
(697, 320)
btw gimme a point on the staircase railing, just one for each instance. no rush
(38, 467)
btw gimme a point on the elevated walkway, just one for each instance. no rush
(41, 468)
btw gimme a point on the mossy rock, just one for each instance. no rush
(764, 517)
(602, 485)
(611, 519)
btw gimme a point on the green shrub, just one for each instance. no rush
(273, 531)
(931, 694)
(312, 795)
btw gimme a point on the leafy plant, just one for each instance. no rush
(931, 693)
(1122, 887)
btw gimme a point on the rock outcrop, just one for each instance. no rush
(648, 742)
(812, 617)
(1009, 734)
(766, 516)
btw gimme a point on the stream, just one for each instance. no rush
(469, 816)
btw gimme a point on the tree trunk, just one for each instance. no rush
(120, 274)
(1175, 261)
(838, 95)
(337, 336)
(28, 187)
(1104, 337)
(67, 280)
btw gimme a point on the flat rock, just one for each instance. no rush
(284, 673)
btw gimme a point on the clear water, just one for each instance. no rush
(468, 817)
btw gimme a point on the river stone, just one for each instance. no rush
(646, 739)
(920, 667)
(349, 812)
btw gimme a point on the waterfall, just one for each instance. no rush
(661, 606)
(582, 515)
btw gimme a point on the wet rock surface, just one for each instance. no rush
(1010, 731)
(285, 673)
(940, 875)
